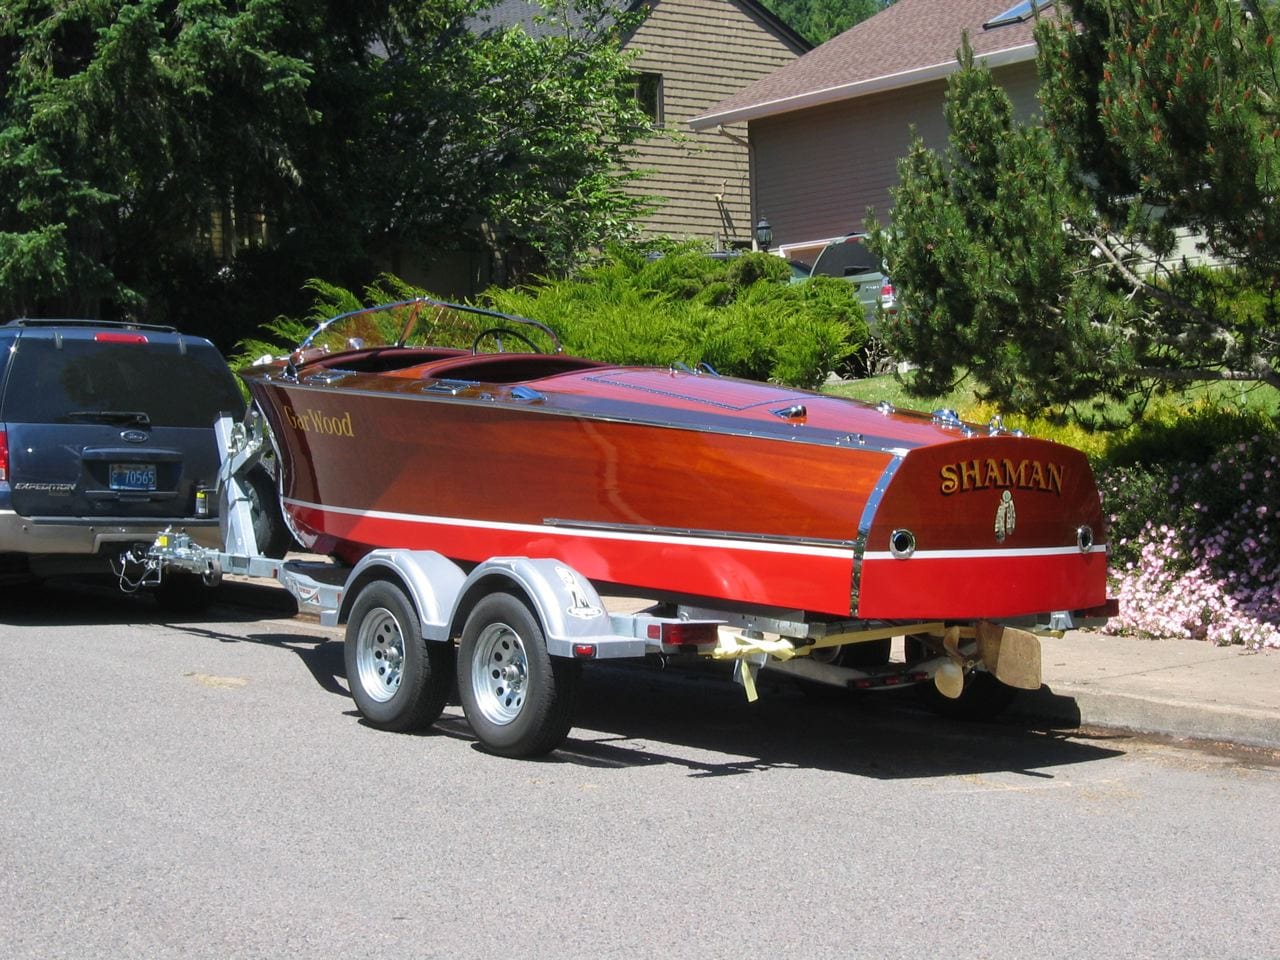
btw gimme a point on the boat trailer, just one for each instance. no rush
(525, 624)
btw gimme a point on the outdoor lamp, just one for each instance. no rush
(764, 234)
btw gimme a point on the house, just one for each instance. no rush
(826, 131)
(690, 55)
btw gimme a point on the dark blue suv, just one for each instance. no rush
(106, 438)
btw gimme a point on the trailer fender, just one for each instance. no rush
(433, 581)
(568, 606)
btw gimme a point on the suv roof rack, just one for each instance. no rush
(114, 324)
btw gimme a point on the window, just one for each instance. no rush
(1017, 13)
(52, 379)
(649, 95)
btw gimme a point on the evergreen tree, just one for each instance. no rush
(820, 20)
(351, 132)
(1044, 259)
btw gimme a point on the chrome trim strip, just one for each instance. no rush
(865, 521)
(689, 532)
(994, 553)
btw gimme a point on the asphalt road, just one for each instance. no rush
(205, 789)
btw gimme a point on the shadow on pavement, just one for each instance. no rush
(634, 715)
(631, 715)
(641, 713)
(85, 601)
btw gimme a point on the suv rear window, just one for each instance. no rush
(845, 258)
(49, 383)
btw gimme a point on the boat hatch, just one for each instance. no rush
(705, 391)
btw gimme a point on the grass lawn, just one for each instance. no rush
(874, 389)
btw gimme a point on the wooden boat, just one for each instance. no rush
(672, 483)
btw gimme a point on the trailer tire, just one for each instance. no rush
(398, 680)
(516, 696)
(269, 530)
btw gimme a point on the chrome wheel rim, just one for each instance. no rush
(500, 674)
(380, 654)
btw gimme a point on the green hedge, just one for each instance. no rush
(741, 315)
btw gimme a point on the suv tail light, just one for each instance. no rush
(114, 336)
(4, 455)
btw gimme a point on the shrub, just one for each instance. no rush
(1195, 540)
(740, 314)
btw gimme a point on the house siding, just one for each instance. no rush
(819, 170)
(705, 50)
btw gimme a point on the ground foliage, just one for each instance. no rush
(353, 133)
(1042, 258)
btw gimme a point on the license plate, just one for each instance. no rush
(133, 476)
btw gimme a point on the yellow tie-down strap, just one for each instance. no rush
(750, 653)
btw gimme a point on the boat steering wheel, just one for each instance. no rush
(498, 333)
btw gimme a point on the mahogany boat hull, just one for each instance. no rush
(670, 483)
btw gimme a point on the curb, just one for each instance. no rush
(1083, 706)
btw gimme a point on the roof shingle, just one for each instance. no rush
(910, 42)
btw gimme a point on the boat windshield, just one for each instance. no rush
(427, 323)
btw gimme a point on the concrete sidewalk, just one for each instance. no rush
(1180, 688)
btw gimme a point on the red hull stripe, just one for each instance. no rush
(972, 584)
(773, 574)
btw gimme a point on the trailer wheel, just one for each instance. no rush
(273, 537)
(398, 680)
(517, 697)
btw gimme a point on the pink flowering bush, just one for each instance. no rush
(1196, 545)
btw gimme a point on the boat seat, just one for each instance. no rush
(385, 359)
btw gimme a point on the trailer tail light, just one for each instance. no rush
(681, 634)
(4, 456)
(118, 336)
(584, 651)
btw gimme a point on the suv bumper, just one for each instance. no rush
(29, 535)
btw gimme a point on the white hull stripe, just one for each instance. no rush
(717, 543)
(994, 553)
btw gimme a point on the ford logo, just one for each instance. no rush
(134, 436)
